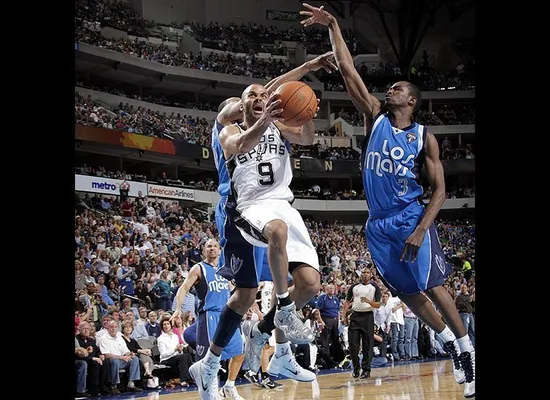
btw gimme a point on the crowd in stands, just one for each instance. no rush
(95, 14)
(126, 117)
(155, 99)
(92, 15)
(444, 114)
(323, 151)
(132, 255)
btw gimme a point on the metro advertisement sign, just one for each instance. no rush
(98, 184)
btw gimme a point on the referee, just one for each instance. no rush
(363, 298)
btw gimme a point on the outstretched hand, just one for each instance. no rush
(324, 61)
(317, 15)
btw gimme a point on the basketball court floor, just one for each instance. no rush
(428, 380)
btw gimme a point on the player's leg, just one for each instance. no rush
(229, 391)
(304, 268)
(386, 238)
(239, 266)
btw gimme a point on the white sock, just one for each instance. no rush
(282, 349)
(446, 335)
(229, 383)
(131, 384)
(211, 359)
(465, 344)
(282, 296)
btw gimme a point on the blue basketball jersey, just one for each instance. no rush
(219, 160)
(391, 162)
(213, 289)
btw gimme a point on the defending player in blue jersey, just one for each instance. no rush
(400, 232)
(213, 291)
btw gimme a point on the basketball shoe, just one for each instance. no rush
(451, 348)
(292, 326)
(468, 363)
(206, 378)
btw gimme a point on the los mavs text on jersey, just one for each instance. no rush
(391, 162)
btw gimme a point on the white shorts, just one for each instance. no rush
(256, 215)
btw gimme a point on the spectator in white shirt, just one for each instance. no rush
(117, 356)
(397, 324)
(173, 353)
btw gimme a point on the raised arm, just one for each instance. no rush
(229, 113)
(365, 102)
(436, 178)
(323, 61)
(236, 141)
(194, 276)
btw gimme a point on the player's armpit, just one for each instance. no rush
(302, 135)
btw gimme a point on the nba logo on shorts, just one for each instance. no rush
(440, 263)
(200, 350)
(236, 264)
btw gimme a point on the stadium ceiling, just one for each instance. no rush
(339, 6)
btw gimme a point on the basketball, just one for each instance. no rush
(299, 103)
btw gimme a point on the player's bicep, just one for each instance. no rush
(194, 276)
(365, 102)
(229, 140)
(434, 168)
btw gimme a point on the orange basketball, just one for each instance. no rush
(299, 103)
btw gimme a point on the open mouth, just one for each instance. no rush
(258, 109)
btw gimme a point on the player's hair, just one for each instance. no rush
(226, 102)
(415, 92)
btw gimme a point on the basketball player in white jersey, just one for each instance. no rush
(258, 161)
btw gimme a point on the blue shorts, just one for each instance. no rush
(190, 335)
(239, 260)
(207, 322)
(386, 235)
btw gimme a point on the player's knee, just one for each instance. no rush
(308, 283)
(245, 296)
(276, 233)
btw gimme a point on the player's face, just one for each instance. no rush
(254, 99)
(212, 249)
(398, 95)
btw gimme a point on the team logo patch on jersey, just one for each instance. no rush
(411, 137)
(200, 350)
(440, 263)
(236, 264)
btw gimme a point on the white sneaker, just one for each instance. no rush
(287, 366)
(230, 393)
(468, 363)
(451, 347)
(206, 378)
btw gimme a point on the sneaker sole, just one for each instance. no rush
(275, 372)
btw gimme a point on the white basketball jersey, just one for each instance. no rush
(264, 172)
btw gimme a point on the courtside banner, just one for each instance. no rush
(170, 192)
(97, 184)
